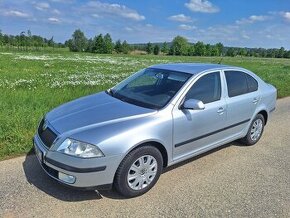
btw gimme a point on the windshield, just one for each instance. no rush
(151, 88)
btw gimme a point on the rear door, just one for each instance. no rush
(242, 99)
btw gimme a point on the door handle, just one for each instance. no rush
(255, 100)
(220, 110)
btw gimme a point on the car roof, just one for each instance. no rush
(192, 68)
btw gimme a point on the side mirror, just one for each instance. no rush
(193, 104)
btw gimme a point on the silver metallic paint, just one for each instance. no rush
(117, 127)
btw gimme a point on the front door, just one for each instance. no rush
(195, 130)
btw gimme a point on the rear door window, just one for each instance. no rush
(240, 83)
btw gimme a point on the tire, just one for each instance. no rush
(251, 138)
(144, 163)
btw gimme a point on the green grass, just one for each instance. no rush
(33, 83)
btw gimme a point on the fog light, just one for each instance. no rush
(66, 178)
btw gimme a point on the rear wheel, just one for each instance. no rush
(139, 171)
(255, 131)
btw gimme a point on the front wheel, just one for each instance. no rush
(255, 131)
(139, 171)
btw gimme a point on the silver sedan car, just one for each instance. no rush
(124, 137)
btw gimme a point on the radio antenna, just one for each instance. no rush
(221, 59)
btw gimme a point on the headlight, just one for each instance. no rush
(79, 149)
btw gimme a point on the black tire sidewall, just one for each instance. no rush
(120, 182)
(248, 139)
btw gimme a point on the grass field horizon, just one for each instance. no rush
(32, 83)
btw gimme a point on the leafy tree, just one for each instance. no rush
(118, 46)
(199, 48)
(287, 54)
(191, 51)
(79, 41)
(208, 49)
(281, 52)
(68, 43)
(263, 53)
(21, 39)
(108, 44)
(214, 51)
(98, 44)
(156, 50)
(249, 53)
(179, 46)
(90, 45)
(29, 38)
(165, 48)
(231, 52)
(1, 38)
(50, 42)
(220, 48)
(272, 53)
(149, 48)
(243, 51)
(125, 47)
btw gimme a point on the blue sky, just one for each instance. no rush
(244, 23)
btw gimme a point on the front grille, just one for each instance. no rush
(46, 135)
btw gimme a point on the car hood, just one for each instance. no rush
(96, 109)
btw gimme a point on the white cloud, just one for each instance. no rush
(180, 18)
(115, 10)
(129, 29)
(269, 36)
(42, 6)
(15, 13)
(255, 18)
(245, 36)
(55, 11)
(186, 27)
(53, 20)
(203, 6)
(252, 19)
(96, 16)
(286, 15)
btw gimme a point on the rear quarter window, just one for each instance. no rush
(252, 83)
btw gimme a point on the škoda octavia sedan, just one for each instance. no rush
(125, 136)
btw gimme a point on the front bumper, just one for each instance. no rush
(91, 173)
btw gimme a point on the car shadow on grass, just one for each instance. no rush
(37, 177)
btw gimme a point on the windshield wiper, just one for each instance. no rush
(116, 95)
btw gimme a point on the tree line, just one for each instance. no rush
(103, 44)
(99, 44)
(181, 46)
(26, 41)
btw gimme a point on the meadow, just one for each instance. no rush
(33, 83)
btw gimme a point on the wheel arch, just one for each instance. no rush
(264, 114)
(155, 144)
